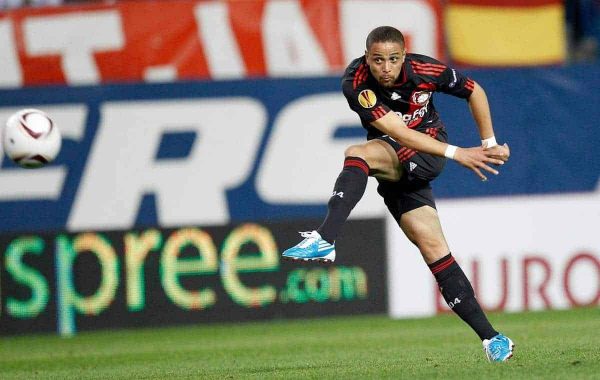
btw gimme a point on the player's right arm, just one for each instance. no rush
(475, 158)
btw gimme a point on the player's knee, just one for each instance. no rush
(433, 250)
(356, 151)
(430, 245)
(367, 152)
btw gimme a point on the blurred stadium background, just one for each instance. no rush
(189, 126)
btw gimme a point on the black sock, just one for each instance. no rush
(459, 295)
(348, 190)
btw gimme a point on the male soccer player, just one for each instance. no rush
(391, 91)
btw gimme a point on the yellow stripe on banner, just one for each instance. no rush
(506, 36)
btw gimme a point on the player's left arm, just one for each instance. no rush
(480, 109)
(453, 82)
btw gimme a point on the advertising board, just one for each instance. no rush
(69, 282)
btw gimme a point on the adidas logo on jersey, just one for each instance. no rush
(395, 96)
(412, 166)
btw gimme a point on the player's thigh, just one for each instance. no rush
(422, 226)
(381, 158)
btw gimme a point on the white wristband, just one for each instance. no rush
(489, 142)
(450, 150)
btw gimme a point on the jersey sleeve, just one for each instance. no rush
(455, 83)
(445, 79)
(363, 100)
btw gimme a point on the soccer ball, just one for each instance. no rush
(31, 139)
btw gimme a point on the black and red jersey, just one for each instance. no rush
(412, 95)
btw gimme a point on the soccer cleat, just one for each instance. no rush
(498, 349)
(312, 248)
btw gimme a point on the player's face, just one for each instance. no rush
(385, 60)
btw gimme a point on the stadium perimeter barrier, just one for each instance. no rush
(69, 282)
(226, 152)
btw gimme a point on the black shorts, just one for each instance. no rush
(413, 189)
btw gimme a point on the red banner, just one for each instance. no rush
(182, 40)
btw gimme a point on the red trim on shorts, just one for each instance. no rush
(409, 156)
(408, 153)
(405, 153)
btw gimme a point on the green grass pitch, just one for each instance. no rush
(549, 345)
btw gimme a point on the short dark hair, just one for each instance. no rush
(385, 34)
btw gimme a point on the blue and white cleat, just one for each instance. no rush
(498, 349)
(312, 248)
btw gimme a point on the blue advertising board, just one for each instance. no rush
(133, 155)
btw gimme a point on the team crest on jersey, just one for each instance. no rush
(367, 98)
(421, 97)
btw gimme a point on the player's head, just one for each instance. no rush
(385, 54)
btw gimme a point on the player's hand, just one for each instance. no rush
(501, 152)
(479, 159)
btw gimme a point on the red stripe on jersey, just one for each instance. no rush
(378, 112)
(470, 85)
(428, 72)
(360, 75)
(360, 79)
(433, 132)
(357, 164)
(423, 64)
(427, 86)
(357, 75)
(417, 69)
(428, 68)
(432, 73)
(364, 75)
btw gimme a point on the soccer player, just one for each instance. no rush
(392, 92)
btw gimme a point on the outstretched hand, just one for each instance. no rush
(501, 152)
(479, 159)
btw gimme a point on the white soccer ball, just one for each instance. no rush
(31, 139)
